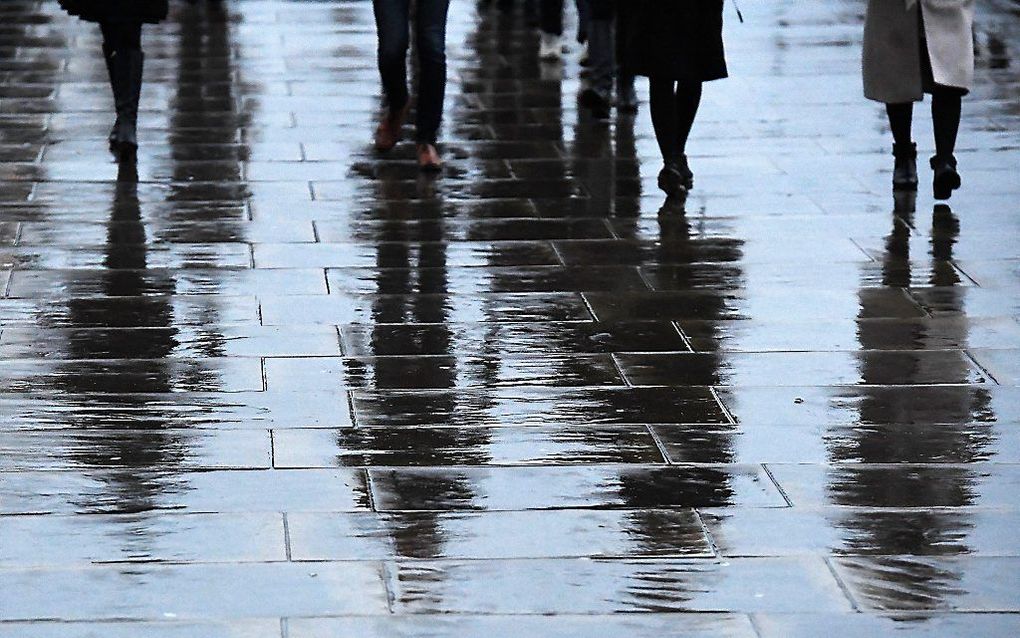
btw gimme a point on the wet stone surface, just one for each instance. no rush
(272, 384)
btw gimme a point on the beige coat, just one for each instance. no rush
(892, 55)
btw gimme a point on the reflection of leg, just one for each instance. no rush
(122, 43)
(904, 150)
(946, 106)
(431, 38)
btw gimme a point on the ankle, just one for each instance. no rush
(907, 150)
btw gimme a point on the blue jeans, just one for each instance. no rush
(393, 19)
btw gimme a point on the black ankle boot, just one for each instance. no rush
(904, 177)
(126, 69)
(947, 178)
(672, 181)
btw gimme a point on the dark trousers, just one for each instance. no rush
(393, 19)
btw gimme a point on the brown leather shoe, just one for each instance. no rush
(428, 158)
(390, 129)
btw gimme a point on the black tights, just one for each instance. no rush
(121, 36)
(946, 106)
(674, 106)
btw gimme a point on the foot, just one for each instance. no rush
(550, 47)
(947, 178)
(905, 170)
(428, 158)
(113, 134)
(671, 181)
(124, 138)
(390, 129)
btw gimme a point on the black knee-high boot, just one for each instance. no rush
(126, 69)
(122, 48)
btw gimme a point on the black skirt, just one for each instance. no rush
(672, 39)
(151, 11)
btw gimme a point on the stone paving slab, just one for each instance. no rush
(564, 586)
(267, 628)
(272, 384)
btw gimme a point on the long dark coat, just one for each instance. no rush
(674, 39)
(151, 11)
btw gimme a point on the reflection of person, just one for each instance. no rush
(121, 24)
(392, 18)
(606, 31)
(912, 47)
(886, 458)
(678, 45)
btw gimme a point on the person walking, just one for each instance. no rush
(393, 19)
(120, 22)
(913, 47)
(678, 46)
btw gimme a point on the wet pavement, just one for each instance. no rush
(279, 386)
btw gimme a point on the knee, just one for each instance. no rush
(392, 53)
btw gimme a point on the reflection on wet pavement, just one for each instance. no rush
(266, 383)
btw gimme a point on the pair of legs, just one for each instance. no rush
(393, 19)
(122, 49)
(946, 107)
(674, 105)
